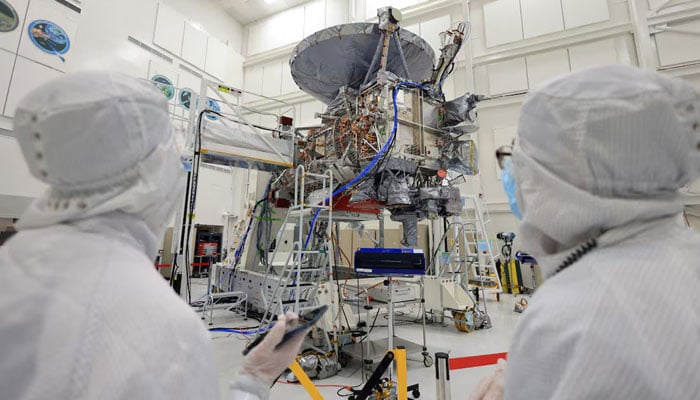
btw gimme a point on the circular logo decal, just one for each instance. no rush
(186, 98)
(49, 37)
(165, 85)
(213, 105)
(8, 17)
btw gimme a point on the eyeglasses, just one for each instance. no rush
(502, 154)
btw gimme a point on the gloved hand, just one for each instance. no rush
(491, 387)
(265, 363)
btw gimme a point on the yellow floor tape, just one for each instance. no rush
(401, 374)
(305, 381)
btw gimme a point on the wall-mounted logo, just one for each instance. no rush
(9, 20)
(185, 98)
(165, 85)
(49, 38)
(213, 105)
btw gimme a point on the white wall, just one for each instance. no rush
(93, 45)
(519, 44)
(139, 20)
(293, 25)
(269, 75)
(220, 191)
(208, 14)
(516, 46)
(99, 39)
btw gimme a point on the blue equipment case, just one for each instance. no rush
(390, 261)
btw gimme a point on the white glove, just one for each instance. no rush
(491, 387)
(265, 363)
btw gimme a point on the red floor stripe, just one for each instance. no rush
(475, 361)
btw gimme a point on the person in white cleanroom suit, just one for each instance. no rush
(84, 313)
(599, 158)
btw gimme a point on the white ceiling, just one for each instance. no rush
(247, 11)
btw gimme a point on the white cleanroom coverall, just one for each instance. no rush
(84, 313)
(599, 159)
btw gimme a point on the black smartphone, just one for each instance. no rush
(306, 321)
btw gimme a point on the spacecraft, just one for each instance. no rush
(388, 134)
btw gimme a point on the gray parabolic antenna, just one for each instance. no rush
(341, 55)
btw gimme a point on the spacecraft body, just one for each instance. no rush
(388, 134)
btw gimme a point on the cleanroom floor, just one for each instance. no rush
(447, 339)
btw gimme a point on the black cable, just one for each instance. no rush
(371, 328)
(407, 321)
(193, 198)
(346, 388)
(192, 192)
(245, 237)
(226, 117)
(175, 267)
(244, 328)
(259, 226)
(340, 296)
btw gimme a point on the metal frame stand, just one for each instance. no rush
(241, 303)
(442, 375)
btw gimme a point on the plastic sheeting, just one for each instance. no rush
(402, 165)
(241, 137)
(398, 192)
(463, 158)
(458, 115)
(341, 56)
(459, 110)
(447, 197)
(365, 191)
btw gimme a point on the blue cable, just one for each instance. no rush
(313, 222)
(229, 330)
(376, 158)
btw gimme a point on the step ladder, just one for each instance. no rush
(469, 257)
(295, 287)
(483, 273)
(466, 268)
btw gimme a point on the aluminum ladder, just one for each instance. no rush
(309, 264)
(469, 257)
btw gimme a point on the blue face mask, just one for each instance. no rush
(186, 164)
(509, 186)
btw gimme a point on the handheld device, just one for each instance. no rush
(306, 321)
